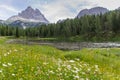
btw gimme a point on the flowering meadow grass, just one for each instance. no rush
(34, 62)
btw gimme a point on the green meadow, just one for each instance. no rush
(35, 62)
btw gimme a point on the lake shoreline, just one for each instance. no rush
(68, 45)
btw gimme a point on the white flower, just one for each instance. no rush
(96, 66)
(76, 77)
(75, 71)
(4, 65)
(82, 79)
(97, 70)
(0, 71)
(9, 64)
(89, 70)
(69, 66)
(76, 68)
(51, 72)
(45, 63)
(72, 61)
(83, 73)
(80, 65)
(87, 79)
(15, 50)
(60, 74)
(8, 53)
(5, 54)
(59, 68)
(13, 74)
(85, 65)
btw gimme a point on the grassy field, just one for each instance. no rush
(34, 62)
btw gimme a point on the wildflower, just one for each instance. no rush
(83, 73)
(61, 73)
(87, 79)
(80, 65)
(85, 65)
(15, 50)
(9, 64)
(4, 65)
(5, 54)
(76, 77)
(68, 66)
(76, 68)
(75, 71)
(13, 74)
(97, 70)
(0, 71)
(89, 70)
(96, 66)
(51, 72)
(59, 69)
(45, 63)
(81, 78)
(8, 53)
(72, 61)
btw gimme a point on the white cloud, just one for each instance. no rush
(62, 9)
(8, 8)
(109, 4)
(7, 11)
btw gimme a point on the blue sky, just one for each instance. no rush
(53, 9)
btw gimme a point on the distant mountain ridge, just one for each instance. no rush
(92, 11)
(33, 17)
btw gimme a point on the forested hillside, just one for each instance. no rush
(88, 27)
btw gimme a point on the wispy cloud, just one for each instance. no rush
(9, 8)
(7, 11)
(62, 9)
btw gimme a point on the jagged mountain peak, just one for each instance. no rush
(29, 15)
(29, 7)
(92, 11)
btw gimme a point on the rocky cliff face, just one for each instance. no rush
(29, 15)
(92, 11)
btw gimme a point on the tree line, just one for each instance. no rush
(6, 30)
(88, 26)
